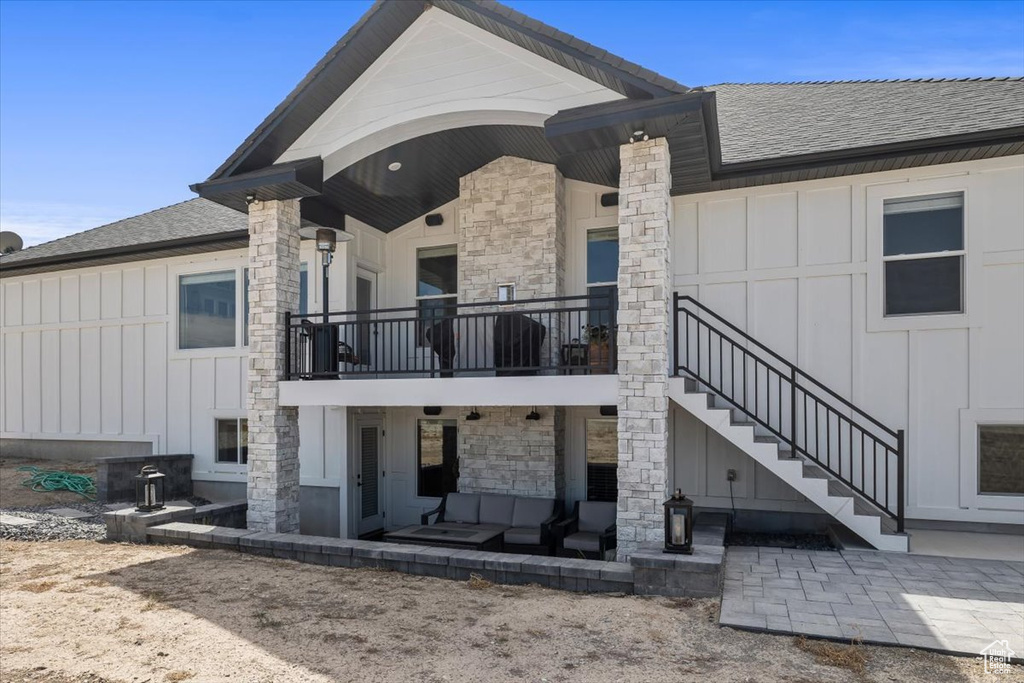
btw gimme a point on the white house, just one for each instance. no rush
(800, 301)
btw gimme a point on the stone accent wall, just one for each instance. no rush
(273, 485)
(512, 229)
(503, 452)
(512, 216)
(643, 341)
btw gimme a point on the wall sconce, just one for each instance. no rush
(250, 198)
(533, 414)
(473, 416)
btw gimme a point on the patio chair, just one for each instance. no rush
(589, 532)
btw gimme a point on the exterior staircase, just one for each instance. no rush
(836, 455)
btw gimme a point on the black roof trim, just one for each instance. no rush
(290, 180)
(869, 153)
(186, 245)
(612, 123)
(382, 24)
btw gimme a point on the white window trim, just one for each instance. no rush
(236, 264)
(972, 255)
(226, 467)
(416, 279)
(970, 420)
(586, 240)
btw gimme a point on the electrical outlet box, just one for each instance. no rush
(730, 475)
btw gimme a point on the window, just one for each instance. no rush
(923, 254)
(206, 310)
(233, 441)
(437, 285)
(602, 271)
(437, 457)
(1001, 459)
(303, 298)
(602, 460)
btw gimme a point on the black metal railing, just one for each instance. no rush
(559, 335)
(799, 410)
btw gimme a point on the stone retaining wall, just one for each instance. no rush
(115, 476)
(649, 572)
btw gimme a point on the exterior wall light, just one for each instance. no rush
(473, 416)
(533, 414)
(638, 136)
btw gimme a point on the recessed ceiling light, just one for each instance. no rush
(394, 165)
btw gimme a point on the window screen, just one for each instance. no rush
(923, 255)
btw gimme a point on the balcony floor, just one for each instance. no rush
(557, 390)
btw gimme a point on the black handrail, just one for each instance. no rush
(527, 336)
(794, 382)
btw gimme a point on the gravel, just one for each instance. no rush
(768, 540)
(54, 528)
(57, 528)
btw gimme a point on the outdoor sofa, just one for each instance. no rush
(525, 522)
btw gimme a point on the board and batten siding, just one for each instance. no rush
(797, 266)
(91, 354)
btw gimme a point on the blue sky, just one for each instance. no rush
(108, 110)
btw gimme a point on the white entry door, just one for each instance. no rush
(370, 474)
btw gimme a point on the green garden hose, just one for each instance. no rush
(58, 480)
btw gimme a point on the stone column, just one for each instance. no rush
(512, 216)
(273, 487)
(643, 341)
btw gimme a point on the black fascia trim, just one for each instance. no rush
(308, 173)
(602, 125)
(177, 243)
(871, 153)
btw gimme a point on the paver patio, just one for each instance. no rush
(948, 604)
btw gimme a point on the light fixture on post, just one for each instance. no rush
(325, 340)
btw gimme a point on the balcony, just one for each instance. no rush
(531, 337)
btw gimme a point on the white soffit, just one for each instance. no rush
(442, 73)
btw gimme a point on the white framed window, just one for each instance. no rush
(232, 440)
(923, 254)
(207, 304)
(437, 285)
(602, 268)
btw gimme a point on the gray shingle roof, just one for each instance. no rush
(195, 218)
(770, 120)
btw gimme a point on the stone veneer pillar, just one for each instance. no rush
(643, 342)
(512, 230)
(273, 485)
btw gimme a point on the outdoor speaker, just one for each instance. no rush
(434, 219)
(610, 199)
(609, 411)
(432, 411)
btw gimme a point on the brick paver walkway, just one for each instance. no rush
(949, 604)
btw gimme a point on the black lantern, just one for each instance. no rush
(149, 489)
(679, 524)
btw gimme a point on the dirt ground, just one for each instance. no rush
(79, 611)
(13, 494)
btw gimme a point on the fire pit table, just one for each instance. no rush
(475, 537)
